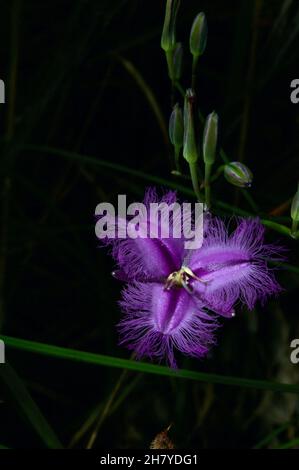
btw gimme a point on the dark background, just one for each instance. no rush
(67, 88)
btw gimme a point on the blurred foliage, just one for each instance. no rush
(89, 77)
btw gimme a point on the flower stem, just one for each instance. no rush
(169, 59)
(207, 185)
(107, 406)
(195, 182)
(177, 158)
(180, 88)
(194, 67)
(294, 229)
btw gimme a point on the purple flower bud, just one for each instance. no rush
(238, 174)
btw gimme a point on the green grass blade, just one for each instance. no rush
(288, 267)
(103, 360)
(148, 93)
(289, 445)
(98, 163)
(28, 408)
(269, 438)
(277, 227)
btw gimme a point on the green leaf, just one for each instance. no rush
(289, 445)
(149, 95)
(109, 361)
(96, 162)
(269, 438)
(27, 407)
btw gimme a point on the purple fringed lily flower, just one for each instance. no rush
(174, 296)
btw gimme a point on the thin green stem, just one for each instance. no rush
(224, 156)
(208, 168)
(2, 447)
(289, 445)
(217, 173)
(180, 88)
(277, 227)
(294, 229)
(106, 410)
(94, 415)
(148, 93)
(194, 71)
(17, 391)
(177, 158)
(169, 60)
(195, 181)
(269, 438)
(96, 162)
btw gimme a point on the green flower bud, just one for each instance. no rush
(238, 174)
(168, 40)
(190, 152)
(177, 61)
(295, 207)
(198, 35)
(176, 127)
(210, 137)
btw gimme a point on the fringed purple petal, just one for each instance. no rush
(234, 268)
(149, 258)
(157, 322)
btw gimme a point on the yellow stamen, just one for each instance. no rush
(181, 278)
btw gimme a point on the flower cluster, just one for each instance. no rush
(174, 297)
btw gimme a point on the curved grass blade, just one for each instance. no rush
(269, 438)
(110, 361)
(148, 93)
(91, 419)
(96, 162)
(289, 445)
(27, 407)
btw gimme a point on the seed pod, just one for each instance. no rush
(162, 441)
(176, 127)
(238, 174)
(168, 40)
(177, 61)
(210, 137)
(190, 152)
(198, 35)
